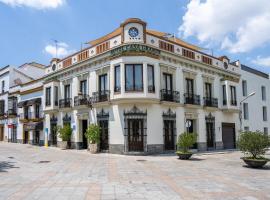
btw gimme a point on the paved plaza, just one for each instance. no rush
(29, 172)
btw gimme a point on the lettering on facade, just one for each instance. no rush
(135, 49)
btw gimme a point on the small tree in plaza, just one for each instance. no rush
(254, 145)
(184, 142)
(65, 133)
(93, 136)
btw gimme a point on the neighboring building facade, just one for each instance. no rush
(143, 89)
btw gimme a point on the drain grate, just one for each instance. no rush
(11, 157)
(141, 160)
(44, 161)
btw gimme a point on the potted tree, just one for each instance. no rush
(254, 145)
(185, 141)
(93, 136)
(65, 133)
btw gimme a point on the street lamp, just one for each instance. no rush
(240, 113)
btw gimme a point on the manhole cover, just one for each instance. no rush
(44, 161)
(141, 160)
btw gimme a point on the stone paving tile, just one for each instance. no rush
(73, 174)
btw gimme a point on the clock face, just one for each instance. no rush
(133, 32)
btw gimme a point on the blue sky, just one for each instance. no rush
(28, 27)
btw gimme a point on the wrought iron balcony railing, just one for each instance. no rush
(169, 95)
(81, 100)
(65, 103)
(210, 102)
(12, 111)
(192, 99)
(101, 96)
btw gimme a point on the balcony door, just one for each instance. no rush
(190, 87)
(208, 90)
(83, 87)
(168, 87)
(102, 87)
(67, 91)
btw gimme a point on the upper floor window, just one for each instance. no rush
(189, 54)
(244, 87)
(83, 87)
(37, 113)
(83, 55)
(206, 60)
(245, 108)
(166, 46)
(67, 91)
(265, 130)
(67, 62)
(189, 86)
(117, 83)
(167, 81)
(103, 47)
(151, 78)
(133, 77)
(48, 96)
(208, 90)
(263, 93)
(3, 86)
(233, 96)
(224, 94)
(2, 107)
(264, 113)
(55, 95)
(102, 82)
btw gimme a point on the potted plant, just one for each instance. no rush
(254, 145)
(185, 141)
(65, 133)
(93, 136)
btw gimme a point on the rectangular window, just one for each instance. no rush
(2, 107)
(48, 96)
(245, 109)
(67, 62)
(37, 114)
(189, 86)
(224, 93)
(246, 128)
(55, 95)
(83, 55)
(263, 93)
(103, 47)
(151, 78)
(166, 46)
(67, 91)
(133, 77)
(3, 86)
(264, 113)
(102, 83)
(233, 96)
(208, 90)
(244, 88)
(188, 54)
(83, 87)
(167, 81)
(206, 60)
(265, 130)
(117, 82)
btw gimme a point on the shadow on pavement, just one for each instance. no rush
(266, 167)
(6, 165)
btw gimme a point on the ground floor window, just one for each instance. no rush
(169, 130)
(135, 130)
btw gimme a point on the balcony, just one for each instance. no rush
(210, 102)
(233, 103)
(101, 96)
(169, 95)
(65, 103)
(81, 100)
(12, 112)
(192, 99)
(36, 116)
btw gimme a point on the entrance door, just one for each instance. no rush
(84, 139)
(210, 135)
(1, 133)
(135, 134)
(14, 134)
(53, 134)
(104, 137)
(25, 138)
(228, 135)
(36, 138)
(169, 134)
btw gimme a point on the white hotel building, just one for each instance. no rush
(144, 89)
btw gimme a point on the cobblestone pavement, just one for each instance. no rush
(29, 172)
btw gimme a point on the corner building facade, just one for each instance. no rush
(143, 89)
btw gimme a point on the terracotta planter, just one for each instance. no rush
(255, 163)
(93, 148)
(184, 156)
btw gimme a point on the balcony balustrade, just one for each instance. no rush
(169, 95)
(210, 102)
(192, 99)
(65, 103)
(81, 100)
(101, 96)
(12, 111)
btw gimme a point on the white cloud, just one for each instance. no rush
(235, 25)
(265, 61)
(62, 50)
(37, 4)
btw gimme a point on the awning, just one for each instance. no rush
(37, 126)
(29, 102)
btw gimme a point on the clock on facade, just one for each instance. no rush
(133, 32)
(54, 67)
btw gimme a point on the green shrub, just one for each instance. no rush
(254, 144)
(93, 134)
(185, 141)
(65, 132)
